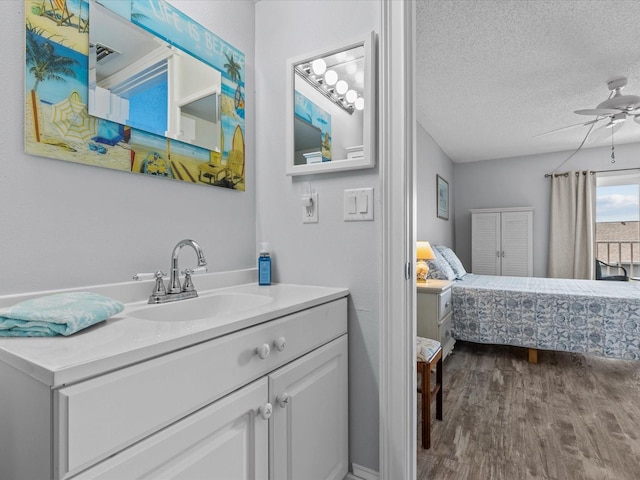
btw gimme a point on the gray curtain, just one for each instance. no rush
(571, 230)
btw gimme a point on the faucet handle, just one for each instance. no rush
(144, 276)
(159, 288)
(149, 276)
(187, 286)
(191, 271)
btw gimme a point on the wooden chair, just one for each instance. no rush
(428, 355)
(235, 166)
(59, 12)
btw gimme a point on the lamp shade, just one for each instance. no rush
(424, 251)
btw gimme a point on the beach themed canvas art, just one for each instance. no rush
(57, 95)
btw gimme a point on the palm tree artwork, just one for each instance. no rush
(233, 70)
(44, 65)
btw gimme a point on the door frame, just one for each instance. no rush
(397, 127)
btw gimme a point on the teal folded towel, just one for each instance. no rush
(59, 314)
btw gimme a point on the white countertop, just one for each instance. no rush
(123, 340)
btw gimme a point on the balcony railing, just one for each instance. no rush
(623, 253)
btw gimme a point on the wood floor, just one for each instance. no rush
(570, 417)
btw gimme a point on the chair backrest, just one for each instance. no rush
(235, 162)
(598, 270)
(622, 278)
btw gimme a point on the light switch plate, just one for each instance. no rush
(358, 204)
(310, 214)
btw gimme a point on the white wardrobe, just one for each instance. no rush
(501, 242)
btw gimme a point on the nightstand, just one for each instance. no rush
(434, 313)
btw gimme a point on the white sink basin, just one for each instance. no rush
(200, 308)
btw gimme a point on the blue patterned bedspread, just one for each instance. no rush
(586, 316)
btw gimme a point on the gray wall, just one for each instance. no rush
(64, 224)
(432, 161)
(331, 252)
(520, 181)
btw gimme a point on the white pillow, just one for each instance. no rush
(452, 259)
(439, 268)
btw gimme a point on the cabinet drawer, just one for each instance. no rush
(445, 303)
(446, 335)
(100, 416)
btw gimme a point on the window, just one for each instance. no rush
(618, 220)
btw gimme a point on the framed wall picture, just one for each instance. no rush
(442, 197)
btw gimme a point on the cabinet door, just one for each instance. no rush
(517, 252)
(485, 243)
(309, 425)
(226, 440)
(427, 315)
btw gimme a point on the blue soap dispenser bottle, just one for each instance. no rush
(264, 265)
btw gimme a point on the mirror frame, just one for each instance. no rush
(368, 160)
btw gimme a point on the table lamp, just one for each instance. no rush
(424, 252)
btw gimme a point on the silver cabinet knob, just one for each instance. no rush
(280, 343)
(263, 350)
(283, 400)
(265, 411)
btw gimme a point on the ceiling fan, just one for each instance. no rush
(611, 115)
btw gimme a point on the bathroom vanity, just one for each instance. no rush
(257, 390)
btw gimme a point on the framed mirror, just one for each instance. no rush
(331, 105)
(130, 69)
(169, 102)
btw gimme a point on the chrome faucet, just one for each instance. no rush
(174, 275)
(175, 291)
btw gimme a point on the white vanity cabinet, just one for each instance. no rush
(265, 402)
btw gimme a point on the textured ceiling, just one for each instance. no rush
(493, 74)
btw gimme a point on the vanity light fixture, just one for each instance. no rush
(324, 74)
(330, 77)
(327, 84)
(318, 66)
(359, 103)
(342, 87)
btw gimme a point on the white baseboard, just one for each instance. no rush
(362, 473)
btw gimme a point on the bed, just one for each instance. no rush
(585, 316)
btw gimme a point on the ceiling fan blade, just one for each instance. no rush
(603, 133)
(583, 124)
(597, 111)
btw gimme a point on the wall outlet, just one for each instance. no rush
(310, 212)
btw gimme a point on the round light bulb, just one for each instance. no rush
(360, 103)
(342, 87)
(351, 96)
(331, 77)
(318, 66)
